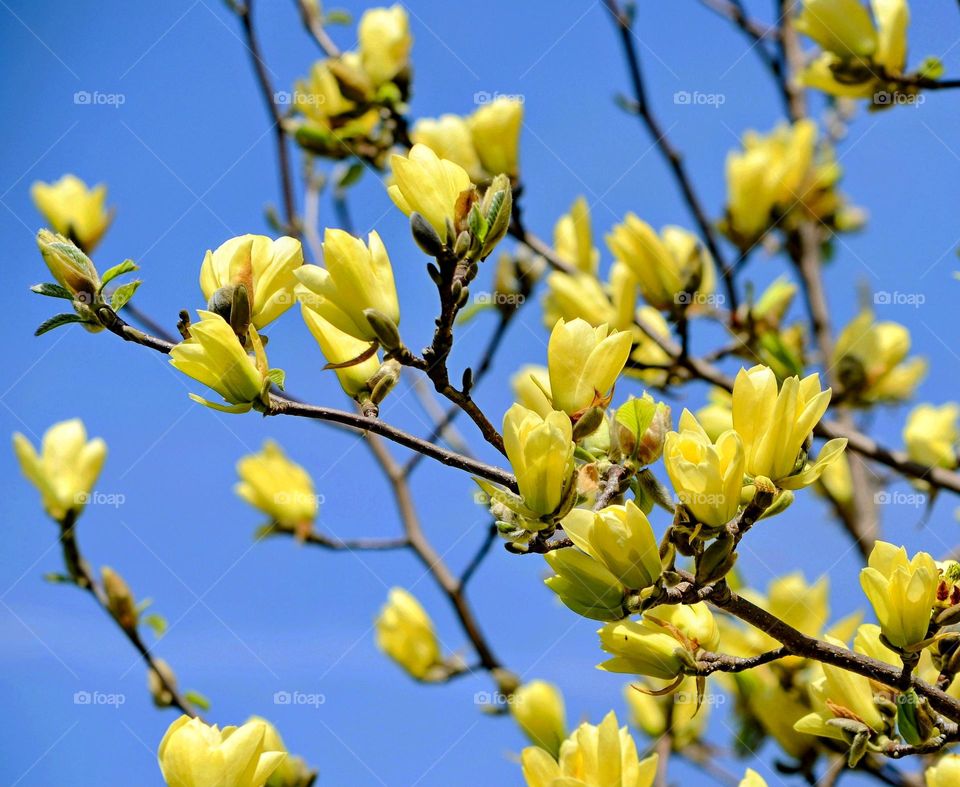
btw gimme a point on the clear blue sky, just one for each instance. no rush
(189, 161)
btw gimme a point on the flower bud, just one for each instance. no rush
(279, 487)
(405, 633)
(120, 600)
(584, 363)
(293, 771)
(640, 426)
(71, 268)
(158, 688)
(902, 592)
(538, 708)
(585, 585)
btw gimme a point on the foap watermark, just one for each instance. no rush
(699, 299)
(302, 698)
(300, 98)
(884, 98)
(112, 499)
(897, 298)
(482, 97)
(499, 299)
(95, 98)
(494, 699)
(298, 499)
(691, 698)
(109, 699)
(694, 98)
(912, 499)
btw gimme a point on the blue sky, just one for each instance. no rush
(189, 160)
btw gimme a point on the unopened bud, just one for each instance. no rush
(384, 328)
(120, 600)
(162, 696)
(425, 235)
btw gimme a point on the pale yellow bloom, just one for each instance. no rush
(356, 278)
(706, 475)
(66, 468)
(339, 347)
(716, 417)
(775, 426)
(263, 266)
(843, 27)
(279, 487)
(945, 773)
(584, 363)
(428, 185)
(838, 693)
(385, 42)
(319, 98)
(538, 708)
(619, 537)
(870, 360)
(405, 633)
(495, 130)
(194, 754)
(531, 388)
(214, 356)
(649, 646)
(752, 779)
(293, 771)
(449, 137)
(776, 707)
(604, 755)
(585, 585)
(665, 266)
(540, 451)
(73, 209)
(931, 435)
(902, 592)
(573, 238)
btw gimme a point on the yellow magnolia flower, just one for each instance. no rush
(194, 754)
(293, 771)
(902, 592)
(945, 773)
(278, 487)
(264, 267)
(665, 266)
(449, 137)
(707, 475)
(405, 633)
(72, 269)
(675, 712)
(775, 707)
(66, 468)
(538, 708)
(775, 426)
(73, 209)
(495, 129)
(584, 363)
(843, 27)
(319, 98)
(752, 779)
(540, 451)
(573, 238)
(619, 537)
(339, 348)
(649, 646)
(584, 585)
(716, 417)
(385, 42)
(839, 694)
(531, 388)
(428, 185)
(604, 755)
(869, 358)
(931, 435)
(214, 356)
(356, 280)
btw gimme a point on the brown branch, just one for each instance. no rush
(314, 26)
(641, 106)
(244, 11)
(84, 579)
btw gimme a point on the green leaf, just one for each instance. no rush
(347, 176)
(122, 294)
(59, 579)
(931, 68)
(156, 622)
(52, 290)
(118, 270)
(277, 377)
(478, 224)
(196, 698)
(56, 321)
(338, 16)
(637, 414)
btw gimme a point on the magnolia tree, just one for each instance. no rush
(637, 511)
